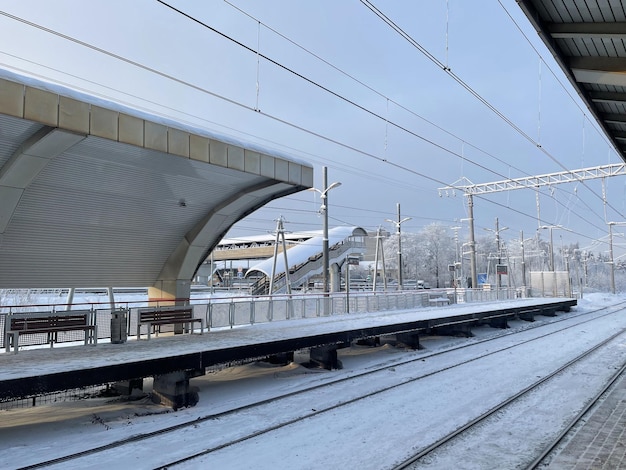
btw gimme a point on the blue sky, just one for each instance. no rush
(387, 121)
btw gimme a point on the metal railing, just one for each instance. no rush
(231, 312)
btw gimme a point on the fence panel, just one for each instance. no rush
(279, 309)
(228, 312)
(241, 313)
(262, 310)
(219, 315)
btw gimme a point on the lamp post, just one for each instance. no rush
(457, 264)
(612, 260)
(497, 232)
(324, 210)
(611, 257)
(551, 227)
(397, 224)
(472, 241)
(552, 267)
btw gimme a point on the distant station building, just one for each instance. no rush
(250, 263)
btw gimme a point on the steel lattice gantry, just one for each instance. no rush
(528, 182)
(548, 179)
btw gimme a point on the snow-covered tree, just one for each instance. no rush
(425, 255)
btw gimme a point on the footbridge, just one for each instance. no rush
(305, 261)
(95, 194)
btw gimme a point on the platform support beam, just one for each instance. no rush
(529, 315)
(173, 389)
(410, 339)
(500, 322)
(548, 312)
(282, 359)
(461, 329)
(372, 341)
(126, 387)
(326, 357)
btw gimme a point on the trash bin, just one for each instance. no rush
(118, 326)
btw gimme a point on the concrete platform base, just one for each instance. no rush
(173, 389)
(528, 315)
(548, 312)
(410, 339)
(326, 357)
(502, 323)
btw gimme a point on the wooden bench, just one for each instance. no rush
(49, 323)
(439, 301)
(153, 317)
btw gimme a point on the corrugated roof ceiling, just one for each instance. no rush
(587, 37)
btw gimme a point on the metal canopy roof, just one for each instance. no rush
(95, 196)
(587, 38)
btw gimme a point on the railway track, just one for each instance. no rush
(341, 390)
(434, 455)
(545, 457)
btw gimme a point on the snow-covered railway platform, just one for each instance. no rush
(43, 370)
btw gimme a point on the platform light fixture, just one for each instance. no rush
(397, 223)
(324, 211)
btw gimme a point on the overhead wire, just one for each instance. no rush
(234, 102)
(336, 95)
(388, 100)
(382, 95)
(466, 86)
(384, 119)
(152, 70)
(247, 107)
(375, 91)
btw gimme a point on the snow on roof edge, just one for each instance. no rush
(32, 80)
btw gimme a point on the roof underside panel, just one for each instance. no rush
(588, 38)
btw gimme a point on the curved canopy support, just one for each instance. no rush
(181, 266)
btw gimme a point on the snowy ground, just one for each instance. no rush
(362, 436)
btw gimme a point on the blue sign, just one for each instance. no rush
(481, 278)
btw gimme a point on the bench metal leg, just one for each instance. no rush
(139, 325)
(11, 339)
(91, 335)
